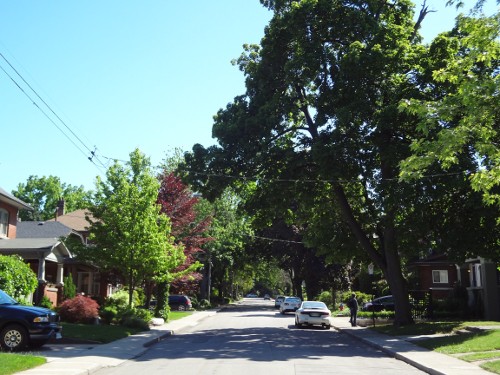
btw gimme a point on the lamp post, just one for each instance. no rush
(370, 272)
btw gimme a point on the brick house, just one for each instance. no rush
(46, 256)
(437, 276)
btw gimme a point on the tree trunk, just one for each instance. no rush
(388, 260)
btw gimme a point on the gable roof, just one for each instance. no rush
(42, 229)
(75, 220)
(13, 201)
(32, 248)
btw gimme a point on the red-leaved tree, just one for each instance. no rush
(178, 203)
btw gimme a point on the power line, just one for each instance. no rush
(92, 153)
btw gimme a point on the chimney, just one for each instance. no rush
(60, 208)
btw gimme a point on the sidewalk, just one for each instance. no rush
(84, 359)
(426, 360)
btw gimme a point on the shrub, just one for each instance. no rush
(136, 318)
(46, 302)
(108, 314)
(80, 309)
(326, 298)
(16, 277)
(204, 304)
(69, 290)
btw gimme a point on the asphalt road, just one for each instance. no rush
(253, 338)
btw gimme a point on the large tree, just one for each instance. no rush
(43, 194)
(128, 232)
(320, 115)
(460, 113)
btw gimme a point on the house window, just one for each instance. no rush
(4, 222)
(440, 276)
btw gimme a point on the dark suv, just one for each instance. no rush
(179, 302)
(21, 326)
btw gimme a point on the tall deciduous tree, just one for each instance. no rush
(459, 113)
(130, 233)
(43, 194)
(321, 104)
(178, 202)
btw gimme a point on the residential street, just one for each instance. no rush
(253, 338)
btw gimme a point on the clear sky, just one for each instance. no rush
(121, 75)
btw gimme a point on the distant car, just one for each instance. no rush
(252, 295)
(267, 297)
(379, 304)
(290, 304)
(179, 302)
(278, 300)
(313, 313)
(22, 326)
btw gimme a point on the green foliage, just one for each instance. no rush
(97, 332)
(130, 235)
(16, 277)
(108, 314)
(69, 290)
(326, 297)
(79, 309)
(43, 193)
(204, 304)
(46, 302)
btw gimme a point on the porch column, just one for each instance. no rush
(59, 278)
(41, 269)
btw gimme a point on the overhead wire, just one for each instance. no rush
(93, 153)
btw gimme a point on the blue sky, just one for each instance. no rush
(121, 75)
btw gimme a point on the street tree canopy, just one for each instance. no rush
(129, 233)
(320, 127)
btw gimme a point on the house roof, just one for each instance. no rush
(32, 248)
(13, 201)
(42, 229)
(75, 220)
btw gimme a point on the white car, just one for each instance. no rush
(313, 313)
(290, 304)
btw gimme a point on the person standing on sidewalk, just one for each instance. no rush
(352, 303)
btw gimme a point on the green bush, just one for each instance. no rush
(136, 318)
(326, 297)
(204, 304)
(108, 314)
(46, 302)
(16, 277)
(69, 290)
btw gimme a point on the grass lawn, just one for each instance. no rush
(103, 333)
(480, 356)
(12, 363)
(493, 366)
(429, 328)
(464, 343)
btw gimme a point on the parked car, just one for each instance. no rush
(290, 304)
(22, 326)
(278, 300)
(379, 304)
(179, 302)
(252, 295)
(313, 313)
(267, 297)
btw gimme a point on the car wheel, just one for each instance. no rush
(181, 308)
(327, 326)
(297, 324)
(13, 337)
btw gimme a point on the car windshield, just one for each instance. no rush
(293, 300)
(5, 299)
(314, 305)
